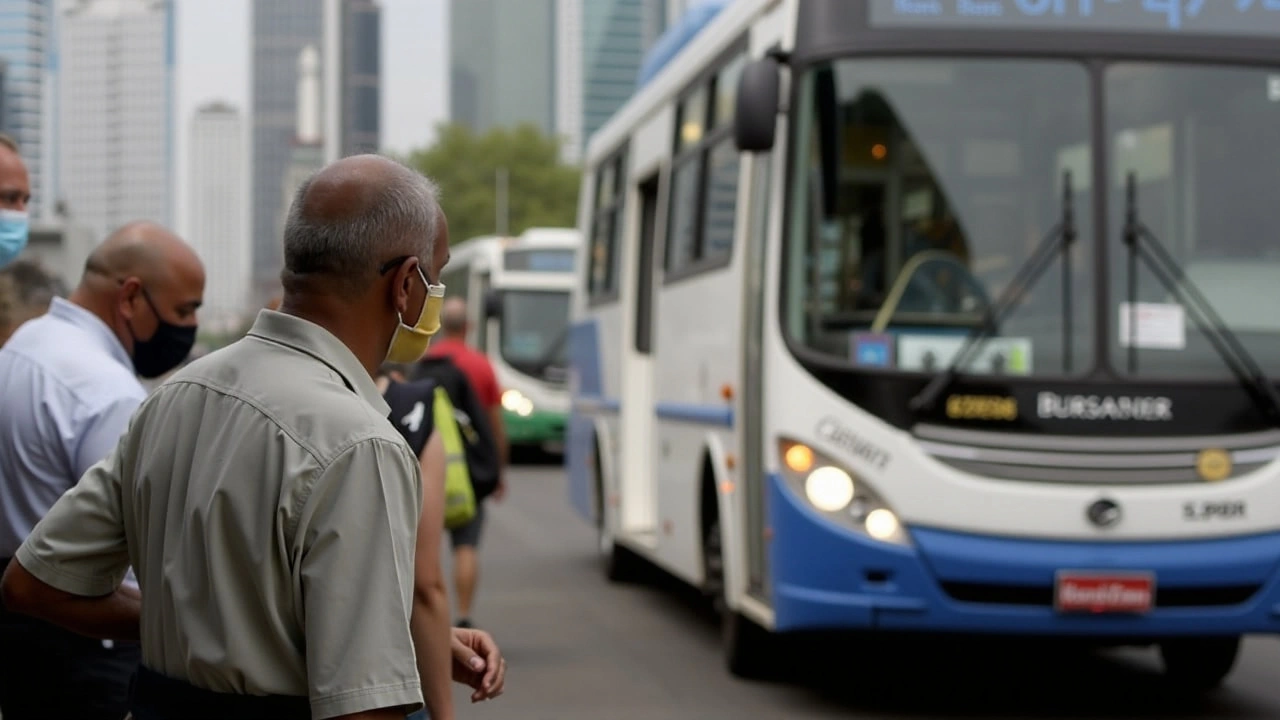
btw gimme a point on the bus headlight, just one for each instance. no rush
(516, 402)
(830, 489)
(838, 493)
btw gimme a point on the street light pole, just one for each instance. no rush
(502, 208)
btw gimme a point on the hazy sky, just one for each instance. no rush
(213, 64)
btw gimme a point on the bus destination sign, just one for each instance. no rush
(1210, 17)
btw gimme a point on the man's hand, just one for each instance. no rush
(478, 663)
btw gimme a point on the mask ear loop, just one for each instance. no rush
(432, 291)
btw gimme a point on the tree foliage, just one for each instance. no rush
(541, 190)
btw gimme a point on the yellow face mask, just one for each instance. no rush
(409, 344)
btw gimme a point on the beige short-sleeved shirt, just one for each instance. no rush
(269, 509)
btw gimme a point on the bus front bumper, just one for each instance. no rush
(829, 577)
(536, 428)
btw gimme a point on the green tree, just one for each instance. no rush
(541, 190)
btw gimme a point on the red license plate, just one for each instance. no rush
(1104, 592)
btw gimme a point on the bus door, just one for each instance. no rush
(639, 496)
(759, 196)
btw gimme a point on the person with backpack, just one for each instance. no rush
(423, 414)
(484, 466)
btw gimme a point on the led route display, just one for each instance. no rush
(1210, 17)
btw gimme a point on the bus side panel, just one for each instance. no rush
(586, 387)
(594, 387)
(698, 355)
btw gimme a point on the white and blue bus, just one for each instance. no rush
(925, 315)
(517, 291)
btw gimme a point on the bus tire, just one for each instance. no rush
(1199, 664)
(750, 651)
(620, 564)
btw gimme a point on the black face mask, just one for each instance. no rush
(166, 349)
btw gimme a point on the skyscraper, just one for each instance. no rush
(600, 45)
(502, 68)
(569, 69)
(361, 95)
(613, 46)
(280, 30)
(347, 34)
(306, 150)
(219, 211)
(116, 112)
(25, 30)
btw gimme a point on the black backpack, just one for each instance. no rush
(473, 421)
(411, 410)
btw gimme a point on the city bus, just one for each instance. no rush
(940, 316)
(517, 292)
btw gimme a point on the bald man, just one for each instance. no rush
(268, 504)
(15, 193)
(70, 388)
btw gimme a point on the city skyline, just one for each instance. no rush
(115, 119)
(219, 202)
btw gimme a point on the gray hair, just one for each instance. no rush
(405, 219)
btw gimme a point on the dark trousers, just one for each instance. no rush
(157, 697)
(47, 673)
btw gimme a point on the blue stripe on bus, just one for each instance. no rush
(828, 576)
(701, 414)
(588, 405)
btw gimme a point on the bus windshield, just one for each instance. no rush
(532, 330)
(1202, 144)
(921, 188)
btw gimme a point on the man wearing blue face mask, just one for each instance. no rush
(70, 388)
(15, 193)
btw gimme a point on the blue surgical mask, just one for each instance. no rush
(14, 227)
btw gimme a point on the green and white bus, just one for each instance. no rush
(517, 292)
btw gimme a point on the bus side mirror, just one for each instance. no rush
(492, 304)
(755, 115)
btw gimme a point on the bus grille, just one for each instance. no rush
(1091, 460)
(1042, 595)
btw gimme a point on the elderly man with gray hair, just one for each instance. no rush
(271, 511)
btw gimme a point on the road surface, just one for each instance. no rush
(580, 648)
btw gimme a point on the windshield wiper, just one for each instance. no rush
(1057, 241)
(1170, 274)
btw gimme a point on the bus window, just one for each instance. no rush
(606, 229)
(948, 177)
(456, 285)
(1203, 146)
(682, 239)
(704, 181)
(722, 200)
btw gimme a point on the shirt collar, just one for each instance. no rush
(308, 337)
(80, 317)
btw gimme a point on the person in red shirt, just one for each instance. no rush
(452, 344)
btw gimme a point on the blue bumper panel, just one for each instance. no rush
(828, 576)
(584, 357)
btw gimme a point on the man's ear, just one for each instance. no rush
(127, 297)
(402, 286)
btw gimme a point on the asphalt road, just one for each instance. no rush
(580, 648)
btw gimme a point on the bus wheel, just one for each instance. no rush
(1199, 663)
(750, 651)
